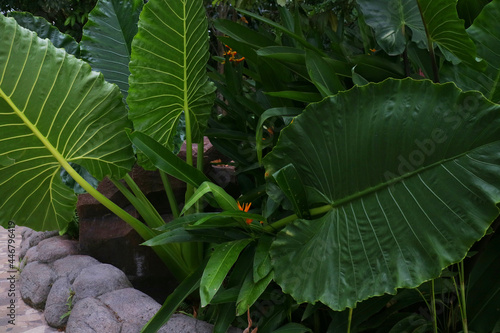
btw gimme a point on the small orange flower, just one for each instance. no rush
(245, 208)
(244, 19)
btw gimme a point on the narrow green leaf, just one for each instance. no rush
(107, 38)
(250, 291)
(54, 111)
(448, 32)
(322, 75)
(181, 235)
(225, 201)
(219, 264)
(185, 288)
(262, 259)
(283, 53)
(167, 161)
(290, 183)
(226, 315)
(168, 70)
(236, 213)
(307, 97)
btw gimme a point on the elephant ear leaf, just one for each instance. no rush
(54, 110)
(412, 172)
(168, 78)
(107, 38)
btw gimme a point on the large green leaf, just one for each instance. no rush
(44, 29)
(485, 32)
(168, 75)
(107, 38)
(389, 19)
(446, 30)
(412, 171)
(53, 110)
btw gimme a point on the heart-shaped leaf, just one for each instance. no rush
(53, 110)
(168, 70)
(412, 172)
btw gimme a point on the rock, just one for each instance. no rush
(25, 246)
(31, 255)
(91, 316)
(35, 282)
(54, 248)
(98, 279)
(131, 306)
(71, 266)
(38, 236)
(179, 323)
(56, 305)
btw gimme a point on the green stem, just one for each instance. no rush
(349, 321)
(463, 304)
(433, 308)
(284, 221)
(170, 194)
(199, 166)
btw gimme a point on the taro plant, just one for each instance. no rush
(378, 184)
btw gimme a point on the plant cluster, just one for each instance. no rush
(364, 137)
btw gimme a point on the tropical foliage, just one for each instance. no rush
(363, 185)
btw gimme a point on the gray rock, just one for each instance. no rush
(35, 282)
(71, 266)
(56, 305)
(23, 249)
(31, 255)
(179, 323)
(38, 236)
(25, 232)
(99, 279)
(57, 247)
(131, 305)
(91, 316)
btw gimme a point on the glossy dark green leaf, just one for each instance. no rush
(448, 32)
(262, 259)
(54, 110)
(250, 291)
(412, 172)
(107, 38)
(485, 32)
(166, 161)
(222, 259)
(389, 19)
(322, 75)
(44, 29)
(288, 179)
